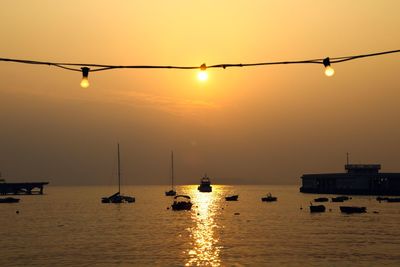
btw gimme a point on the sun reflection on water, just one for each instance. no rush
(205, 250)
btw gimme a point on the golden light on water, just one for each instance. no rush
(202, 76)
(205, 250)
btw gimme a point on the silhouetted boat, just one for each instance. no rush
(382, 198)
(205, 184)
(269, 198)
(352, 209)
(317, 208)
(171, 192)
(340, 199)
(232, 198)
(117, 197)
(181, 202)
(9, 200)
(394, 199)
(321, 199)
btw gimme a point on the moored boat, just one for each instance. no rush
(352, 209)
(317, 208)
(181, 202)
(9, 200)
(171, 192)
(205, 184)
(382, 198)
(232, 198)
(340, 199)
(394, 199)
(321, 199)
(117, 197)
(269, 198)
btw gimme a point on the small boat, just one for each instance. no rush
(232, 198)
(317, 208)
(205, 184)
(9, 200)
(394, 199)
(181, 202)
(321, 199)
(352, 209)
(171, 192)
(340, 199)
(382, 198)
(269, 198)
(117, 197)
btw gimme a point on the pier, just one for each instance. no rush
(34, 188)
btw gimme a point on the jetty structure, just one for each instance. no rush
(29, 188)
(359, 179)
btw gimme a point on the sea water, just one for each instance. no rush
(69, 226)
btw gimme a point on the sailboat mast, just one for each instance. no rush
(172, 170)
(119, 173)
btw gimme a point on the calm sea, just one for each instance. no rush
(70, 227)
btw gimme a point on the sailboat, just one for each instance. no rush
(117, 197)
(171, 192)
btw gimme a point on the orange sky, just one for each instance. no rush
(249, 125)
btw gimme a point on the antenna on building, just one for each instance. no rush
(347, 158)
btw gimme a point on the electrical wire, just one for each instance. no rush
(101, 67)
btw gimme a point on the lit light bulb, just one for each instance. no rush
(202, 75)
(85, 80)
(329, 71)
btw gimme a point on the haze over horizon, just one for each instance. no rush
(261, 125)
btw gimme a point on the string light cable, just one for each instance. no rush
(86, 68)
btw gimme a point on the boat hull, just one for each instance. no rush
(181, 205)
(9, 200)
(205, 189)
(317, 208)
(170, 193)
(321, 199)
(269, 199)
(232, 198)
(117, 198)
(352, 209)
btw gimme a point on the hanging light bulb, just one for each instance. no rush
(85, 80)
(329, 71)
(202, 75)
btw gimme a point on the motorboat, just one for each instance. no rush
(9, 200)
(171, 192)
(382, 198)
(181, 202)
(340, 199)
(117, 197)
(269, 198)
(321, 199)
(205, 184)
(394, 199)
(352, 209)
(232, 198)
(317, 208)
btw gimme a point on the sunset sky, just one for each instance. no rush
(243, 125)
